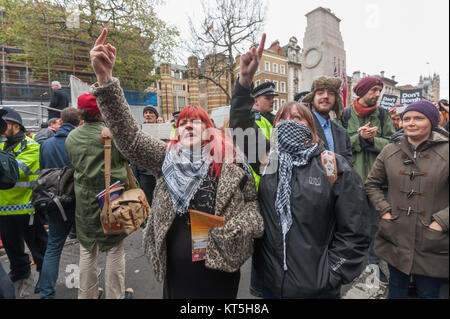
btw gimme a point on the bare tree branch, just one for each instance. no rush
(236, 25)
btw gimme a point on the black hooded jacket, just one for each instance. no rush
(329, 236)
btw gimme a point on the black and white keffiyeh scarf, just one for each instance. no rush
(183, 171)
(294, 147)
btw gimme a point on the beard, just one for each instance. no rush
(9, 132)
(371, 102)
(324, 111)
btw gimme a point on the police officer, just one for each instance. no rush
(17, 221)
(174, 122)
(252, 108)
(9, 174)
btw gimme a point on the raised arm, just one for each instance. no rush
(140, 148)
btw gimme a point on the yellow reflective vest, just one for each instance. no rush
(266, 127)
(16, 200)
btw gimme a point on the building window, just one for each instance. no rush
(258, 83)
(181, 103)
(275, 68)
(283, 102)
(276, 85)
(275, 105)
(282, 69)
(267, 66)
(177, 75)
(178, 87)
(283, 87)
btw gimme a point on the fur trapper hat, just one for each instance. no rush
(331, 83)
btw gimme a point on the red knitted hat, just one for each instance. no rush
(366, 84)
(88, 102)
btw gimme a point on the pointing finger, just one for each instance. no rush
(101, 39)
(261, 45)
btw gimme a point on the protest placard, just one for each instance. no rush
(388, 101)
(408, 97)
(161, 131)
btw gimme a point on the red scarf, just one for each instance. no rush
(363, 111)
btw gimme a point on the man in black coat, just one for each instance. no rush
(323, 99)
(60, 100)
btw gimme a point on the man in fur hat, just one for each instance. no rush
(323, 100)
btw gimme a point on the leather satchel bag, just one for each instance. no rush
(126, 213)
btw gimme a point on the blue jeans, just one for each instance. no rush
(427, 287)
(58, 231)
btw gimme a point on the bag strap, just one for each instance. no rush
(329, 164)
(107, 170)
(130, 176)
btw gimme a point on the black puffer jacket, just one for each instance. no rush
(329, 236)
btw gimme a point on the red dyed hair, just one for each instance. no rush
(221, 145)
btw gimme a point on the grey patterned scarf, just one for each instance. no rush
(293, 144)
(183, 171)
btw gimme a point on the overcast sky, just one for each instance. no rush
(396, 36)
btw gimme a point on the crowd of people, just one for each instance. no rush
(312, 194)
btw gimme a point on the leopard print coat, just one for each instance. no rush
(236, 200)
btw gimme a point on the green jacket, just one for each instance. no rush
(365, 153)
(86, 154)
(16, 200)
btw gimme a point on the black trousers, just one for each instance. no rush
(15, 231)
(148, 184)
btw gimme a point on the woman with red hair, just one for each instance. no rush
(198, 170)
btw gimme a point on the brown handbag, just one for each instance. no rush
(126, 213)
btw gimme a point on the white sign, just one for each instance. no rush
(162, 131)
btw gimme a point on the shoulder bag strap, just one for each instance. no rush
(130, 175)
(106, 212)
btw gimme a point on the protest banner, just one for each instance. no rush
(388, 101)
(408, 97)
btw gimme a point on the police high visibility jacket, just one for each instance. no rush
(16, 200)
(243, 116)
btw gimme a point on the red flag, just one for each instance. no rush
(343, 90)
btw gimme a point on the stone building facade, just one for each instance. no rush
(273, 67)
(180, 85)
(390, 85)
(293, 52)
(323, 47)
(430, 86)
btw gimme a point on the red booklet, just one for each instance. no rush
(201, 223)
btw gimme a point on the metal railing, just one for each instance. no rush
(38, 116)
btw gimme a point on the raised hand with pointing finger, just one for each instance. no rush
(250, 62)
(103, 58)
